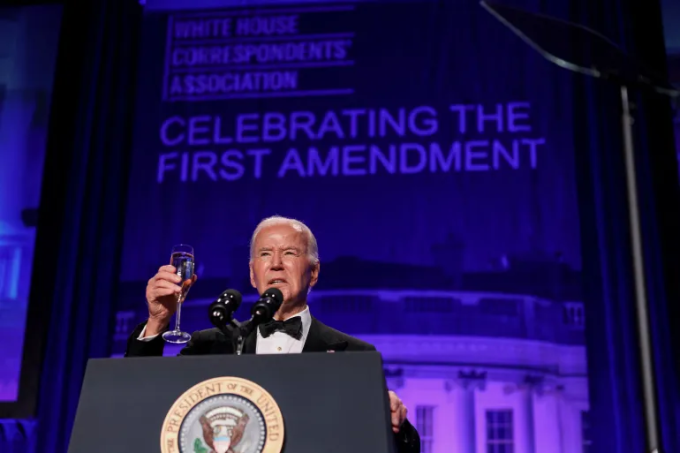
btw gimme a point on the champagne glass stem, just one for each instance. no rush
(178, 314)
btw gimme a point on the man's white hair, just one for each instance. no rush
(312, 247)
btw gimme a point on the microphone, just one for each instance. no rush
(221, 312)
(268, 304)
(263, 311)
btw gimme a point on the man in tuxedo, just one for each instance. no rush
(284, 255)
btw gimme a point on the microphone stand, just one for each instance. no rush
(236, 326)
(241, 333)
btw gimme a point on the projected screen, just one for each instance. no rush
(28, 47)
(440, 187)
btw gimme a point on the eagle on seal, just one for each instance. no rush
(221, 438)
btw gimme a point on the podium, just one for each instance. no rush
(293, 403)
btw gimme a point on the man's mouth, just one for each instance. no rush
(276, 281)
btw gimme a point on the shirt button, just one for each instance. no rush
(279, 348)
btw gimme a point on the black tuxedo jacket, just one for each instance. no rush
(321, 338)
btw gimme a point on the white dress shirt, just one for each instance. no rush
(277, 342)
(281, 342)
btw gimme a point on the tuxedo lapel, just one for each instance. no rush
(250, 343)
(314, 342)
(320, 339)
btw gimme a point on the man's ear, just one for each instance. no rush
(252, 275)
(314, 273)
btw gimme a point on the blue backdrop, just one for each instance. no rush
(432, 155)
(456, 131)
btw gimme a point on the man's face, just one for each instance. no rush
(281, 261)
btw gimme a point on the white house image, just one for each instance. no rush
(510, 377)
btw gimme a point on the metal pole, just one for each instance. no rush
(644, 340)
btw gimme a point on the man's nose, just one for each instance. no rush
(277, 262)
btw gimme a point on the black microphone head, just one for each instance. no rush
(221, 311)
(231, 297)
(269, 303)
(275, 294)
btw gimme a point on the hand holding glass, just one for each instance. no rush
(182, 258)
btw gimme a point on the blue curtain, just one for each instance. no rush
(614, 366)
(17, 436)
(80, 220)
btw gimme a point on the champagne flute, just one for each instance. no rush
(182, 258)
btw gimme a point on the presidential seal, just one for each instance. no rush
(223, 415)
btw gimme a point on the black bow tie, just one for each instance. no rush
(292, 327)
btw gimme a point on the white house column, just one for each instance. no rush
(548, 434)
(464, 388)
(560, 416)
(526, 417)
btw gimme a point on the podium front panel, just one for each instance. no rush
(335, 403)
